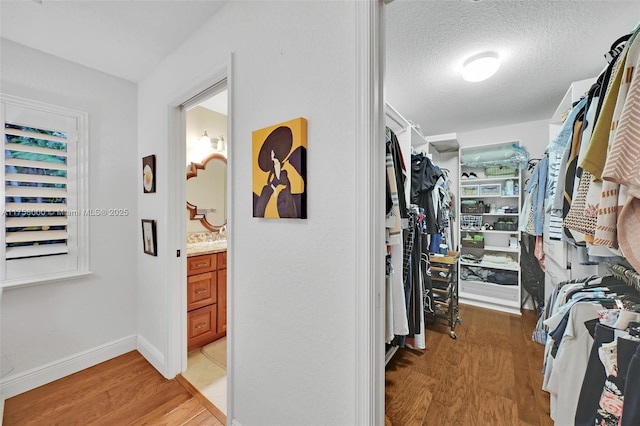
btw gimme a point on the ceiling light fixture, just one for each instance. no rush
(481, 66)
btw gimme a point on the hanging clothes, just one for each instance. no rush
(424, 177)
(396, 220)
(589, 350)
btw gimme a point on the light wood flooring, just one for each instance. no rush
(489, 375)
(125, 390)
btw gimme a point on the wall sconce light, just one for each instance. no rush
(206, 143)
(205, 140)
(481, 66)
(219, 144)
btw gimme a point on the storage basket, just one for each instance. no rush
(470, 190)
(471, 222)
(490, 189)
(474, 207)
(472, 243)
(505, 225)
(500, 171)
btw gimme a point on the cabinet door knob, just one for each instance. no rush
(201, 325)
(202, 290)
(202, 264)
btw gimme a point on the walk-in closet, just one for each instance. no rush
(512, 291)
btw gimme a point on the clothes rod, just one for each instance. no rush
(394, 115)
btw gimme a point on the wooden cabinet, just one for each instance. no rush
(206, 299)
(222, 292)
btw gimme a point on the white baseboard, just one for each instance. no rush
(151, 354)
(31, 379)
(234, 422)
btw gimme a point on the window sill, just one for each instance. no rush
(45, 279)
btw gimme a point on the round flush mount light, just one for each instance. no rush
(481, 66)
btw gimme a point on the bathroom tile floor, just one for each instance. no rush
(208, 377)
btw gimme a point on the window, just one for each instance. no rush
(45, 192)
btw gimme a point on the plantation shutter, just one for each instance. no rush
(35, 192)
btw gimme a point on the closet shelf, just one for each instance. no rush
(489, 231)
(470, 298)
(502, 249)
(444, 143)
(491, 265)
(486, 180)
(492, 285)
(490, 196)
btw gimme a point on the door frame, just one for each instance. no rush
(369, 223)
(176, 351)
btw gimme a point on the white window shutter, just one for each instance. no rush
(43, 233)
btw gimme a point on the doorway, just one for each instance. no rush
(205, 119)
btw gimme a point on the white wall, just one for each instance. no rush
(69, 324)
(293, 317)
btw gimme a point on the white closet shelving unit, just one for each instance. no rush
(494, 201)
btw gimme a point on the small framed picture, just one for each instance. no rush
(149, 242)
(149, 174)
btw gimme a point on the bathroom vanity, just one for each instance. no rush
(206, 293)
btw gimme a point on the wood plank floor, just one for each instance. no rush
(489, 375)
(125, 390)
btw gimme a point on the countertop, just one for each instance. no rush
(196, 249)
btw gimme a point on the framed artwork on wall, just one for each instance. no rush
(149, 242)
(149, 174)
(279, 163)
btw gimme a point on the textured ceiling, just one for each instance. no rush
(125, 38)
(545, 45)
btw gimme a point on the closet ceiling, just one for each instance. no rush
(546, 45)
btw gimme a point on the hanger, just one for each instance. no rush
(625, 274)
(533, 163)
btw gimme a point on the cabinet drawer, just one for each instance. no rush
(222, 260)
(201, 290)
(203, 263)
(201, 326)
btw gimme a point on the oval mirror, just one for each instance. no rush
(207, 191)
